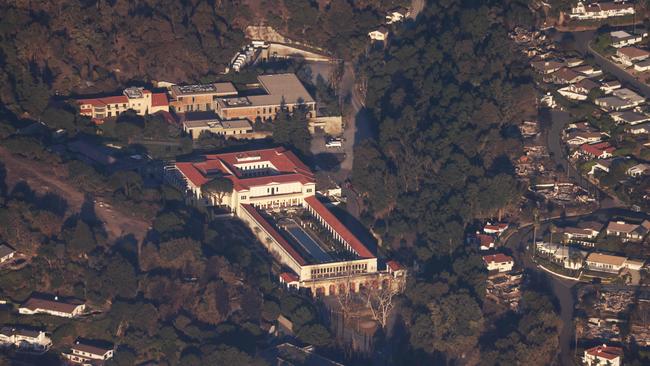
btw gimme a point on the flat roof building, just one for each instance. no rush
(278, 90)
(138, 99)
(199, 97)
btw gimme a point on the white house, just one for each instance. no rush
(622, 38)
(630, 55)
(379, 34)
(32, 340)
(638, 170)
(605, 262)
(85, 353)
(397, 15)
(6, 253)
(55, 307)
(610, 86)
(629, 117)
(628, 232)
(498, 262)
(566, 256)
(642, 66)
(603, 356)
(603, 10)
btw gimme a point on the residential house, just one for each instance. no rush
(577, 138)
(88, 353)
(199, 97)
(638, 170)
(622, 38)
(485, 242)
(52, 306)
(277, 91)
(595, 11)
(546, 67)
(601, 150)
(629, 117)
(609, 86)
(25, 339)
(566, 256)
(605, 262)
(6, 253)
(603, 356)
(630, 55)
(529, 128)
(290, 280)
(498, 262)
(588, 71)
(138, 99)
(496, 228)
(584, 234)
(629, 95)
(379, 34)
(602, 165)
(628, 232)
(642, 128)
(642, 66)
(564, 76)
(396, 15)
(573, 62)
(579, 90)
(613, 103)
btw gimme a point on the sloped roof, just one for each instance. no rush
(497, 258)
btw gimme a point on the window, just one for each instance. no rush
(243, 197)
(308, 190)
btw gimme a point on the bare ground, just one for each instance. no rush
(44, 178)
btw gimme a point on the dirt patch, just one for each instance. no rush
(44, 178)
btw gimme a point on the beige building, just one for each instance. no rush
(140, 100)
(33, 340)
(498, 262)
(269, 185)
(279, 89)
(54, 306)
(603, 356)
(88, 354)
(199, 97)
(226, 128)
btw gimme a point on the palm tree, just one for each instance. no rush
(535, 227)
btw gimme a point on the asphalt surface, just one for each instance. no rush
(557, 121)
(582, 45)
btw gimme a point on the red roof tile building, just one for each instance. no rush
(314, 244)
(140, 100)
(498, 262)
(601, 150)
(603, 355)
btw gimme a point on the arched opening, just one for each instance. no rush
(332, 289)
(341, 288)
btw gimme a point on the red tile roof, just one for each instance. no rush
(605, 351)
(485, 240)
(275, 234)
(290, 167)
(394, 266)
(597, 149)
(497, 258)
(101, 102)
(343, 231)
(287, 277)
(159, 100)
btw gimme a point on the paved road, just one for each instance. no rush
(557, 121)
(562, 289)
(582, 45)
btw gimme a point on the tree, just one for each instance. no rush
(218, 188)
(82, 239)
(291, 129)
(455, 323)
(127, 182)
(381, 301)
